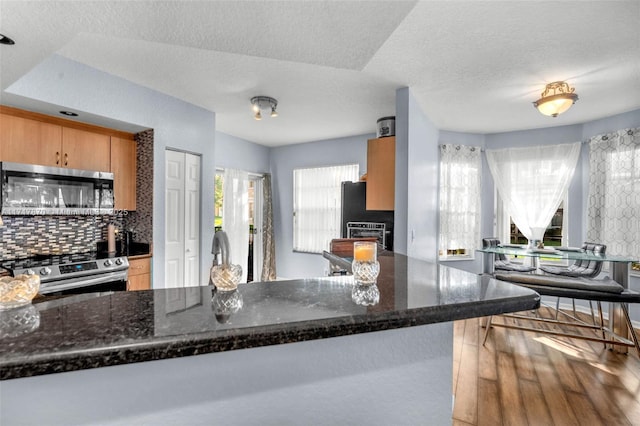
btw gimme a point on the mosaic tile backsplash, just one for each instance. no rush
(24, 236)
(141, 220)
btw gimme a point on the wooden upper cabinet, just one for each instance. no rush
(85, 150)
(381, 173)
(29, 141)
(123, 167)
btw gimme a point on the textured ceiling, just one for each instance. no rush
(334, 66)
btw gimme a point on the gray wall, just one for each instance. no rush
(284, 159)
(401, 215)
(240, 154)
(176, 124)
(422, 185)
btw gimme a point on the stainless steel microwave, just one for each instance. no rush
(29, 189)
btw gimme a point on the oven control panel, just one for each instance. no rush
(77, 267)
(72, 270)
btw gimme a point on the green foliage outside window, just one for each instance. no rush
(218, 201)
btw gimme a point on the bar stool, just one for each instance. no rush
(580, 268)
(501, 261)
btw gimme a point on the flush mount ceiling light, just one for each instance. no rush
(556, 99)
(6, 40)
(260, 103)
(69, 113)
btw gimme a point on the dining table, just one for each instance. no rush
(619, 265)
(619, 269)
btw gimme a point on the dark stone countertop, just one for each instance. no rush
(97, 330)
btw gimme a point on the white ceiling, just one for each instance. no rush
(334, 66)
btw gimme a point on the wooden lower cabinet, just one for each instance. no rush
(139, 274)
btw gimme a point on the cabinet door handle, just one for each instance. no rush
(65, 159)
(57, 157)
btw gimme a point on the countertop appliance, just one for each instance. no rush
(354, 211)
(386, 126)
(73, 273)
(29, 189)
(368, 229)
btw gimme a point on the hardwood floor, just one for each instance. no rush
(525, 378)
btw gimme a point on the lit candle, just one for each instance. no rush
(364, 251)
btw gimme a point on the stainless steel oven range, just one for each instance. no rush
(368, 229)
(74, 273)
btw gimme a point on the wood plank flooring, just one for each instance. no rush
(526, 378)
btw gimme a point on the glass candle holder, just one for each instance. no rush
(365, 266)
(226, 277)
(18, 291)
(365, 295)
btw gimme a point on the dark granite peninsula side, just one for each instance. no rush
(285, 352)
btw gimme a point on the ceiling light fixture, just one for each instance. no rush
(259, 103)
(69, 113)
(556, 99)
(6, 40)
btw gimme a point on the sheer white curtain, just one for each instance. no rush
(258, 239)
(532, 182)
(460, 186)
(235, 216)
(317, 205)
(614, 191)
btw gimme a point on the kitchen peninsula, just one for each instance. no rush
(284, 352)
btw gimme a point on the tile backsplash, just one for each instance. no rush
(24, 236)
(141, 220)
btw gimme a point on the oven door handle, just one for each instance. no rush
(51, 286)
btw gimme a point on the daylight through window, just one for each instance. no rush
(317, 205)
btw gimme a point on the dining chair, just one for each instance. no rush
(501, 261)
(580, 268)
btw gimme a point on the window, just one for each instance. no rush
(218, 197)
(317, 205)
(460, 185)
(254, 251)
(556, 233)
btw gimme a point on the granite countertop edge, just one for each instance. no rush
(244, 338)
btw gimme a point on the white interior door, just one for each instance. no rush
(192, 222)
(182, 219)
(174, 219)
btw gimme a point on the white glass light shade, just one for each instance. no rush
(554, 105)
(556, 99)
